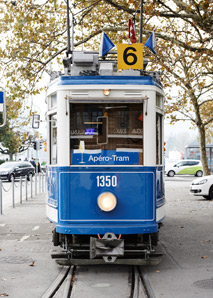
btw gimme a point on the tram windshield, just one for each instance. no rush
(106, 134)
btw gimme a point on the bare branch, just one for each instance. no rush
(208, 122)
(205, 101)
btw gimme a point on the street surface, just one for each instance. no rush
(26, 267)
(186, 240)
(186, 270)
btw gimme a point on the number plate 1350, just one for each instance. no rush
(106, 181)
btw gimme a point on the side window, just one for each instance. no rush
(53, 139)
(23, 166)
(52, 101)
(159, 152)
(193, 163)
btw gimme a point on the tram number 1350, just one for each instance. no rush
(106, 181)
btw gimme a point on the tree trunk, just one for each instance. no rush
(201, 131)
(203, 156)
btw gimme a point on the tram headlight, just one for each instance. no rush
(106, 92)
(107, 201)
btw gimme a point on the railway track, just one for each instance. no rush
(100, 281)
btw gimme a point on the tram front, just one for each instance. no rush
(105, 172)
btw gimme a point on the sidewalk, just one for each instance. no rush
(26, 267)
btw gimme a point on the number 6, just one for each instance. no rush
(126, 55)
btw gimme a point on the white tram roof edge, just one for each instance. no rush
(134, 84)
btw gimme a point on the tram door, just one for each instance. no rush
(106, 134)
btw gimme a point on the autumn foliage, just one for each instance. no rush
(34, 34)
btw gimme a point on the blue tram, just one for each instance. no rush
(105, 169)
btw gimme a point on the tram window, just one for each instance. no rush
(107, 129)
(159, 151)
(53, 139)
(53, 101)
(158, 101)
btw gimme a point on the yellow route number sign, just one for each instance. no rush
(130, 56)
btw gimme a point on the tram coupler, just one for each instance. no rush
(109, 247)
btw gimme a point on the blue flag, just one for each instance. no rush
(151, 43)
(1, 101)
(106, 45)
(1, 97)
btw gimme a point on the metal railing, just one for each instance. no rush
(27, 189)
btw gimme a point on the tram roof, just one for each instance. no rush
(107, 80)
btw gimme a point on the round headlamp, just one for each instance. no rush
(107, 201)
(106, 92)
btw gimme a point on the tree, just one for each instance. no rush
(184, 37)
(185, 56)
(14, 136)
(14, 142)
(189, 67)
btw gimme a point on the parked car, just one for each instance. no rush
(203, 187)
(16, 169)
(185, 167)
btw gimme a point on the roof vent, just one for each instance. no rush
(106, 69)
(81, 58)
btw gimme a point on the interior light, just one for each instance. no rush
(107, 201)
(106, 92)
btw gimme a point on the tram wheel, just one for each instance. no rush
(155, 239)
(55, 238)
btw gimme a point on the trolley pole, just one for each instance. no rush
(69, 51)
(141, 22)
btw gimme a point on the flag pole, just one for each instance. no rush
(141, 22)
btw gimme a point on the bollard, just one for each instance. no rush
(31, 185)
(39, 182)
(26, 186)
(13, 191)
(42, 183)
(20, 189)
(1, 205)
(36, 184)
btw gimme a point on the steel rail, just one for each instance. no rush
(51, 291)
(144, 281)
(68, 283)
(139, 285)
